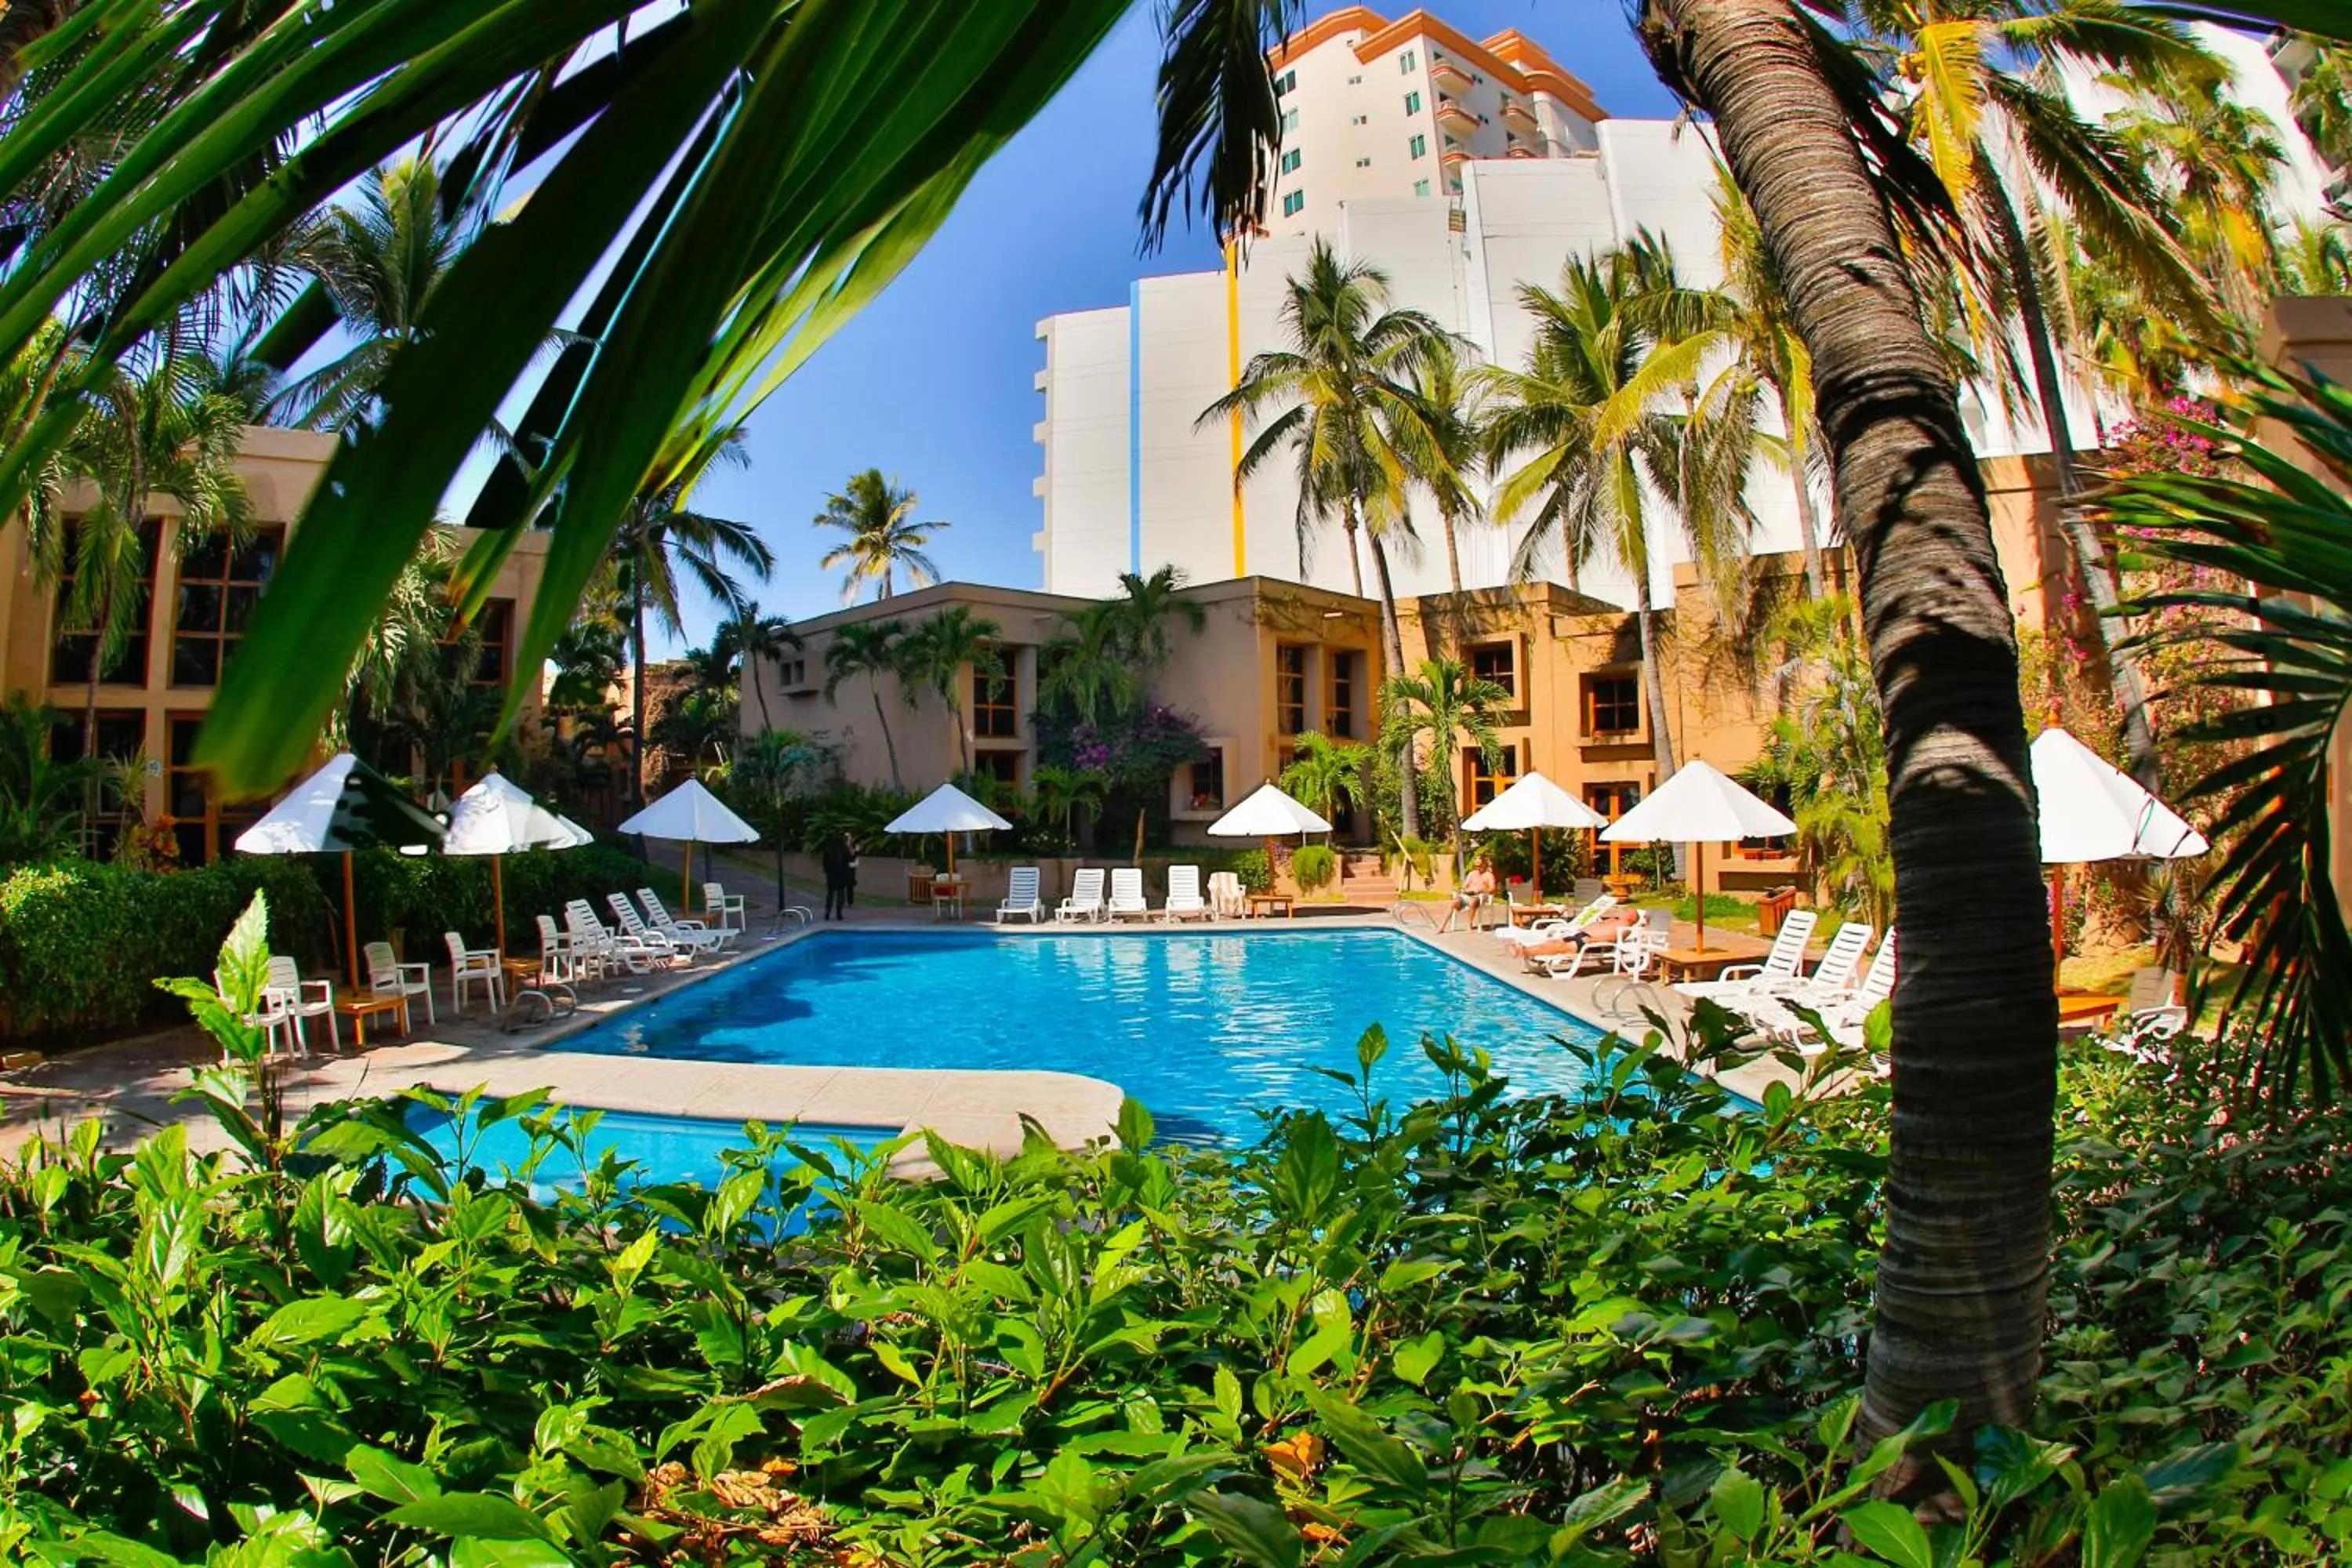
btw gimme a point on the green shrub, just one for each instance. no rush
(82, 942)
(1313, 866)
(1550, 1329)
(410, 899)
(1254, 868)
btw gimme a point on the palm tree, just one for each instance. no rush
(1826, 747)
(1445, 701)
(1835, 188)
(1983, 93)
(875, 512)
(2219, 158)
(157, 433)
(870, 649)
(660, 536)
(2317, 259)
(1144, 610)
(1063, 795)
(1103, 662)
(1441, 432)
(936, 654)
(1342, 386)
(748, 637)
(1608, 414)
(379, 259)
(1325, 776)
(2323, 104)
(1769, 344)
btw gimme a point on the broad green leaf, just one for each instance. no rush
(472, 1513)
(305, 1322)
(1738, 1498)
(389, 1476)
(1889, 1530)
(1255, 1533)
(2120, 1524)
(1414, 1360)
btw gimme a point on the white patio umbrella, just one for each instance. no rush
(947, 810)
(1533, 802)
(1698, 806)
(344, 806)
(498, 818)
(1267, 814)
(692, 814)
(2092, 811)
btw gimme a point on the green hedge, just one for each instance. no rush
(82, 943)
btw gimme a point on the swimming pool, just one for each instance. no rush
(666, 1148)
(1207, 1030)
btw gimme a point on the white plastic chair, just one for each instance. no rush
(1020, 896)
(1631, 961)
(685, 933)
(730, 908)
(276, 1012)
(1554, 930)
(557, 961)
(387, 976)
(304, 999)
(474, 966)
(1184, 901)
(593, 944)
(1569, 966)
(1127, 893)
(2151, 1017)
(1085, 900)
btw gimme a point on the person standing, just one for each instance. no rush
(840, 862)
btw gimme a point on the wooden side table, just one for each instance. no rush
(359, 1006)
(2087, 1012)
(1705, 963)
(1262, 905)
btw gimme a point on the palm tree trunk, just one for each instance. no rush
(2090, 554)
(1393, 635)
(1453, 570)
(1808, 522)
(1355, 556)
(873, 682)
(637, 689)
(1964, 1272)
(759, 689)
(1654, 692)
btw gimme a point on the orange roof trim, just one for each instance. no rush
(1510, 55)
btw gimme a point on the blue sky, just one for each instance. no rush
(933, 382)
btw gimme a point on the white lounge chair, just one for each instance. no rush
(2151, 1017)
(1184, 901)
(474, 966)
(1781, 966)
(1833, 979)
(1021, 897)
(1635, 937)
(387, 976)
(729, 907)
(634, 928)
(1632, 960)
(1228, 901)
(1555, 930)
(595, 948)
(1843, 1014)
(699, 934)
(1085, 900)
(1127, 893)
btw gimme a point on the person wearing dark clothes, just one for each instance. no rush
(840, 876)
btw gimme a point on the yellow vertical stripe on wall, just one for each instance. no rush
(1233, 378)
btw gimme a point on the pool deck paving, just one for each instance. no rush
(131, 1084)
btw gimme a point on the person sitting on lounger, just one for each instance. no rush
(1603, 931)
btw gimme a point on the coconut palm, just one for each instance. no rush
(1608, 418)
(748, 637)
(1103, 660)
(876, 514)
(1825, 746)
(1440, 431)
(662, 538)
(1144, 610)
(2315, 258)
(2219, 159)
(1325, 776)
(1443, 700)
(1843, 203)
(1773, 352)
(379, 258)
(1983, 94)
(869, 648)
(1338, 389)
(2323, 104)
(935, 656)
(157, 433)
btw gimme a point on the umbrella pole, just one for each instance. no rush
(350, 923)
(2057, 918)
(950, 838)
(1698, 890)
(685, 880)
(1535, 855)
(499, 899)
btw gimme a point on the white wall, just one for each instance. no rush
(1085, 435)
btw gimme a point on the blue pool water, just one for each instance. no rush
(666, 1148)
(1206, 1030)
